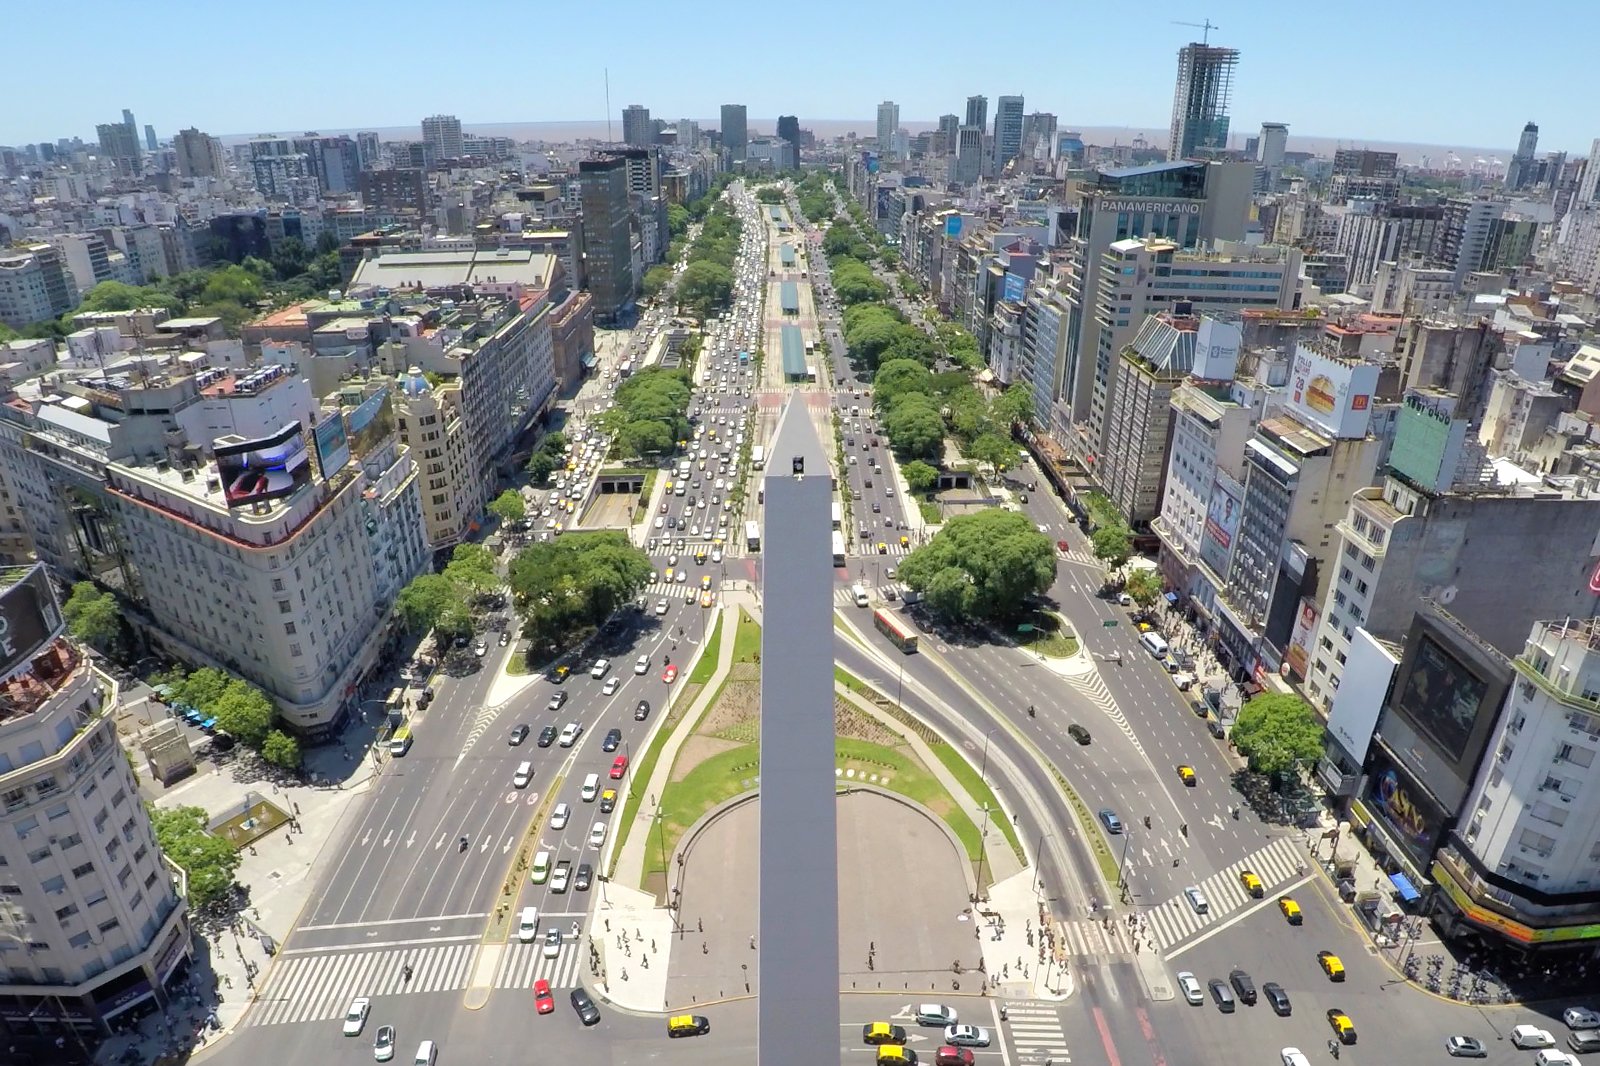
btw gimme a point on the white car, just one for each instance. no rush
(1581, 1018)
(560, 816)
(1293, 1056)
(528, 925)
(355, 1019)
(1191, 988)
(597, 834)
(661, 607)
(383, 1046)
(600, 668)
(1529, 1037)
(641, 665)
(611, 686)
(966, 1036)
(552, 943)
(570, 733)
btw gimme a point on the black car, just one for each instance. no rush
(613, 741)
(641, 711)
(547, 736)
(585, 875)
(588, 1013)
(1243, 985)
(518, 735)
(1278, 998)
(1078, 733)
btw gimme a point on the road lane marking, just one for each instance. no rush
(389, 921)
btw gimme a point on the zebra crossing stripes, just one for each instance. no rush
(523, 964)
(1175, 920)
(1083, 558)
(307, 988)
(1035, 1032)
(1089, 938)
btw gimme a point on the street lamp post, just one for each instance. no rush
(1038, 863)
(983, 849)
(1122, 880)
(661, 847)
(983, 767)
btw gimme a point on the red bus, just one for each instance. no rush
(895, 630)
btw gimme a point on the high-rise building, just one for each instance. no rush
(87, 892)
(1274, 140)
(1007, 130)
(977, 112)
(735, 133)
(149, 137)
(789, 130)
(369, 150)
(1520, 169)
(636, 128)
(443, 132)
(888, 122)
(1038, 135)
(1200, 101)
(688, 134)
(969, 155)
(607, 233)
(199, 155)
(119, 142)
(395, 190)
(35, 284)
(950, 131)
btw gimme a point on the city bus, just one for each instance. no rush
(752, 537)
(838, 548)
(744, 358)
(895, 630)
(838, 515)
(758, 457)
(626, 370)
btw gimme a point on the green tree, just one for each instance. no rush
(897, 377)
(998, 556)
(554, 442)
(93, 616)
(915, 427)
(208, 861)
(328, 242)
(425, 600)
(7, 333)
(647, 436)
(920, 476)
(118, 296)
(1113, 545)
(769, 194)
(565, 588)
(509, 506)
(1144, 586)
(1013, 407)
(202, 688)
(472, 569)
(232, 284)
(655, 280)
(245, 712)
(540, 466)
(289, 257)
(677, 220)
(280, 749)
(1276, 731)
(995, 450)
(705, 287)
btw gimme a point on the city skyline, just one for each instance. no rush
(1333, 100)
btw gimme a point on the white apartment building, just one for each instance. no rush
(91, 923)
(430, 424)
(1526, 858)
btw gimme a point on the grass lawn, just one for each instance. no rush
(707, 664)
(747, 640)
(964, 772)
(517, 665)
(1050, 636)
(930, 512)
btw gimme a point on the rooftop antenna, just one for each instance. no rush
(1207, 26)
(608, 104)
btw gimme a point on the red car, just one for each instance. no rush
(543, 1002)
(670, 674)
(619, 766)
(1063, 547)
(953, 1056)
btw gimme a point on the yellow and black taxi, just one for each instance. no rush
(1331, 964)
(1252, 884)
(896, 1055)
(688, 1025)
(1343, 1027)
(1186, 775)
(882, 1033)
(1291, 910)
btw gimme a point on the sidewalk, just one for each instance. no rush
(275, 874)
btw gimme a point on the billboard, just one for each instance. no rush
(1334, 395)
(333, 445)
(29, 620)
(1012, 288)
(1305, 624)
(1222, 522)
(370, 423)
(1404, 807)
(1363, 688)
(1216, 349)
(266, 468)
(952, 226)
(1441, 696)
(882, 202)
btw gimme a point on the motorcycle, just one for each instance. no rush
(463, 844)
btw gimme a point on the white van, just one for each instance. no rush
(541, 868)
(427, 1054)
(591, 788)
(528, 925)
(523, 775)
(859, 595)
(1154, 643)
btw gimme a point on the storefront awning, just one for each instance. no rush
(1172, 598)
(1403, 885)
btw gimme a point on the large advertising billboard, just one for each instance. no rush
(1363, 688)
(1216, 349)
(1441, 697)
(1410, 814)
(1012, 288)
(29, 620)
(333, 445)
(1222, 522)
(370, 423)
(1305, 624)
(266, 468)
(952, 226)
(1334, 395)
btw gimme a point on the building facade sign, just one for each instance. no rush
(1138, 207)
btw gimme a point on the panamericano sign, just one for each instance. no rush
(1165, 207)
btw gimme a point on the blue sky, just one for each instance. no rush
(1463, 74)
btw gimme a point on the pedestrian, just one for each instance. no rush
(752, 943)
(608, 925)
(699, 926)
(705, 949)
(652, 943)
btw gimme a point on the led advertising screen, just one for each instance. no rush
(29, 620)
(952, 226)
(1441, 697)
(266, 468)
(333, 445)
(370, 423)
(1408, 811)
(1012, 288)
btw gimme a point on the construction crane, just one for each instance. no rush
(1207, 26)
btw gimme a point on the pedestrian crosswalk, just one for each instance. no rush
(1173, 922)
(313, 987)
(1081, 557)
(1036, 1035)
(1092, 938)
(843, 597)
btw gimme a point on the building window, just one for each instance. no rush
(66, 912)
(107, 926)
(79, 940)
(39, 855)
(84, 870)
